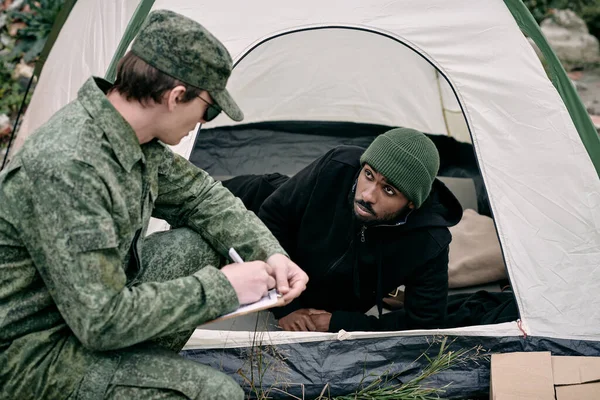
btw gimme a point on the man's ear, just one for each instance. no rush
(174, 97)
(411, 205)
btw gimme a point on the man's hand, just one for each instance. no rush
(298, 320)
(320, 319)
(306, 319)
(291, 280)
(250, 280)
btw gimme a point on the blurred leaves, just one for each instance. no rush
(588, 10)
(11, 91)
(24, 28)
(35, 21)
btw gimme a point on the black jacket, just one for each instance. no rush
(352, 267)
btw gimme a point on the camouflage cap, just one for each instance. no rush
(182, 48)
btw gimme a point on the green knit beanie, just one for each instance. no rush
(407, 159)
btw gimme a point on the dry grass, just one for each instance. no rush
(266, 360)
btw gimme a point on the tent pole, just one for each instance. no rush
(560, 80)
(135, 23)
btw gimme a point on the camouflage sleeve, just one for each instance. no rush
(72, 240)
(188, 196)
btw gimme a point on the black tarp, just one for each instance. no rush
(344, 364)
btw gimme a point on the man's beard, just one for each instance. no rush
(385, 219)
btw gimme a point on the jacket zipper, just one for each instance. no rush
(339, 260)
(362, 233)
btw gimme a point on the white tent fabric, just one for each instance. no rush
(543, 189)
(208, 339)
(84, 47)
(522, 133)
(368, 78)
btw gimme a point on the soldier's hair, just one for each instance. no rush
(138, 80)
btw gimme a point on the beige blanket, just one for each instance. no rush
(475, 255)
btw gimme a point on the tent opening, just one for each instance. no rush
(307, 91)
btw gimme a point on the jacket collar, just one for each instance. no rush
(121, 136)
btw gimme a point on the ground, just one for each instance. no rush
(588, 86)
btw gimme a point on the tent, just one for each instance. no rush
(461, 68)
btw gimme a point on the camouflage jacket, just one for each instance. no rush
(73, 202)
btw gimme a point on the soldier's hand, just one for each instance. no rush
(291, 279)
(298, 320)
(250, 280)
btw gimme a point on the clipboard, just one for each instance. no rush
(270, 300)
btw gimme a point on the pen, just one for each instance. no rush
(235, 256)
(237, 259)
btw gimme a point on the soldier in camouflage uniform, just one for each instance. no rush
(90, 309)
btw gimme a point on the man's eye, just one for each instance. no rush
(367, 173)
(389, 191)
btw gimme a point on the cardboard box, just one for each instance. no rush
(587, 391)
(526, 376)
(576, 378)
(540, 376)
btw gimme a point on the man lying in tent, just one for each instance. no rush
(361, 223)
(89, 308)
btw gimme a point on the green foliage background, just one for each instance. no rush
(24, 47)
(588, 10)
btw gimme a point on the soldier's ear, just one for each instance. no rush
(174, 97)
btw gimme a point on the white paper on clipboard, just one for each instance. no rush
(271, 299)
